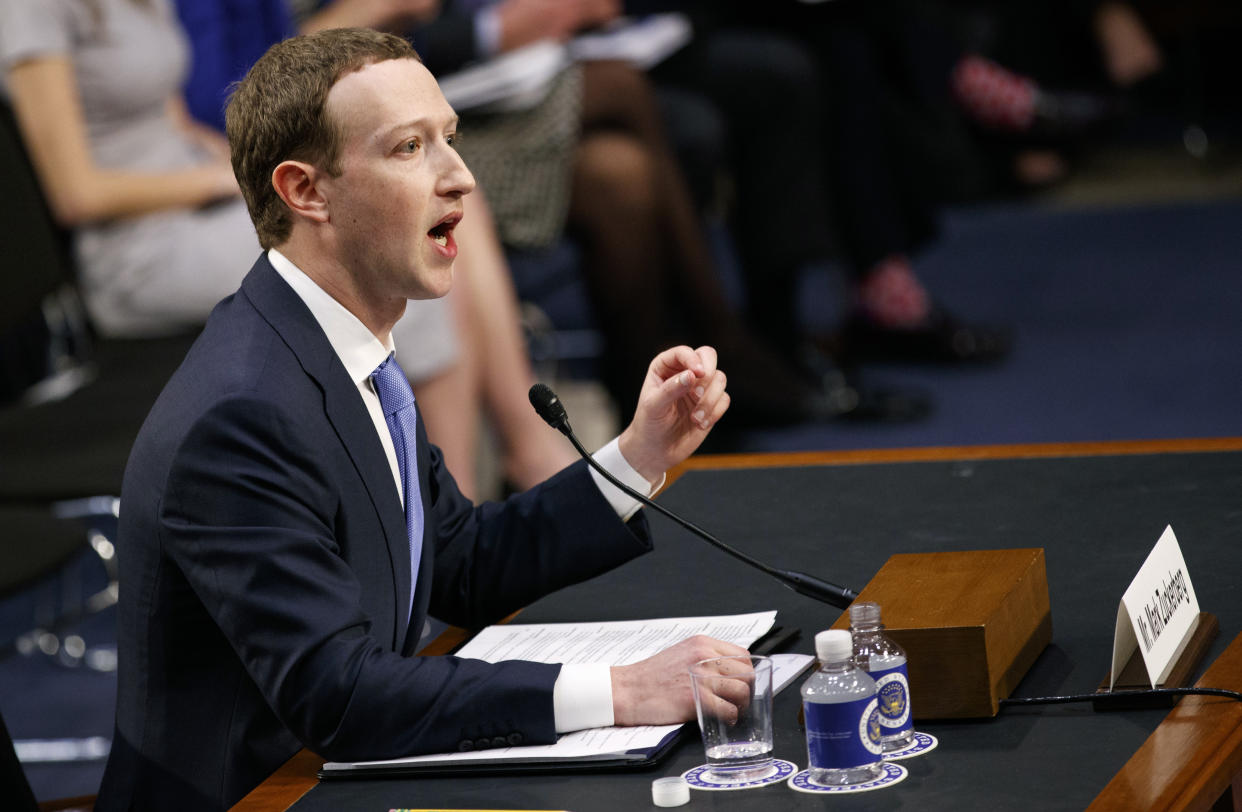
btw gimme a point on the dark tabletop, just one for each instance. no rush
(1096, 517)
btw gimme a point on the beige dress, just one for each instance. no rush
(160, 273)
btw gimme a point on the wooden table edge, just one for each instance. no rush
(298, 775)
(1199, 760)
(873, 456)
(283, 788)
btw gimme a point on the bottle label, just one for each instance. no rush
(841, 735)
(893, 693)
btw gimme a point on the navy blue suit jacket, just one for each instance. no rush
(265, 574)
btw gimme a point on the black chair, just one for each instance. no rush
(557, 318)
(70, 405)
(43, 332)
(15, 789)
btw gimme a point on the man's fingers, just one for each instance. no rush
(734, 691)
(670, 391)
(706, 357)
(675, 359)
(715, 706)
(708, 648)
(724, 681)
(721, 406)
(709, 397)
(657, 690)
(724, 697)
(726, 649)
(736, 666)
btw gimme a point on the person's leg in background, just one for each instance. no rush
(648, 264)
(487, 307)
(489, 374)
(885, 202)
(430, 350)
(766, 90)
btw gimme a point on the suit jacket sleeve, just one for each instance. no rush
(493, 559)
(260, 539)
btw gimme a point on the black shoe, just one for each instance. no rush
(766, 391)
(941, 337)
(1069, 114)
(841, 395)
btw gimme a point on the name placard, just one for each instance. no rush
(1158, 612)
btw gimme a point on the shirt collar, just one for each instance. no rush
(357, 347)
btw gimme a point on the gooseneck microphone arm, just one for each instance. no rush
(550, 408)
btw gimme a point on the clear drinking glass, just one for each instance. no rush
(733, 697)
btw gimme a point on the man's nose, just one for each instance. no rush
(455, 176)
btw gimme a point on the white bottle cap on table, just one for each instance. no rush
(672, 791)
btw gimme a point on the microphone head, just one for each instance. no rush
(549, 407)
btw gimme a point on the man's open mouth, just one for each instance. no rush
(444, 229)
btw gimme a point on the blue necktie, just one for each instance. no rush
(397, 401)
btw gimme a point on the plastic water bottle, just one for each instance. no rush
(877, 654)
(842, 716)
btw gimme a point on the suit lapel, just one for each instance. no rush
(294, 323)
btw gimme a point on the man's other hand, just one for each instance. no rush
(656, 691)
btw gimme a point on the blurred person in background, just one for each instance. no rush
(592, 161)
(161, 233)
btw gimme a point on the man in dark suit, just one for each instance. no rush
(273, 586)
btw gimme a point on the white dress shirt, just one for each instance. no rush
(582, 696)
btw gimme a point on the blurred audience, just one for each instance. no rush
(1102, 51)
(150, 196)
(161, 233)
(853, 167)
(842, 128)
(889, 101)
(591, 160)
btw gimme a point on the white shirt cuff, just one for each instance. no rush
(610, 459)
(582, 697)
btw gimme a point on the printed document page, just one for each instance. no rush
(616, 642)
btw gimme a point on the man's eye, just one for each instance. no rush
(411, 145)
(453, 140)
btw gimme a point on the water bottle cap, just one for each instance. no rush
(834, 645)
(864, 614)
(672, 791)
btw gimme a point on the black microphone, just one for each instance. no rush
(550, 408)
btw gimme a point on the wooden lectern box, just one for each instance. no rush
(972, 624)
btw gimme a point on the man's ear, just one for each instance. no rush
(297, 184)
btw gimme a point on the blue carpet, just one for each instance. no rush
(1128, 325)
(43, 699)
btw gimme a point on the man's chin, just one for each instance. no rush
(435, 284)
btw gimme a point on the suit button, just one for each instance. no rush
(482, 744)
(514, 739)
(465, 746)
(500, 741)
